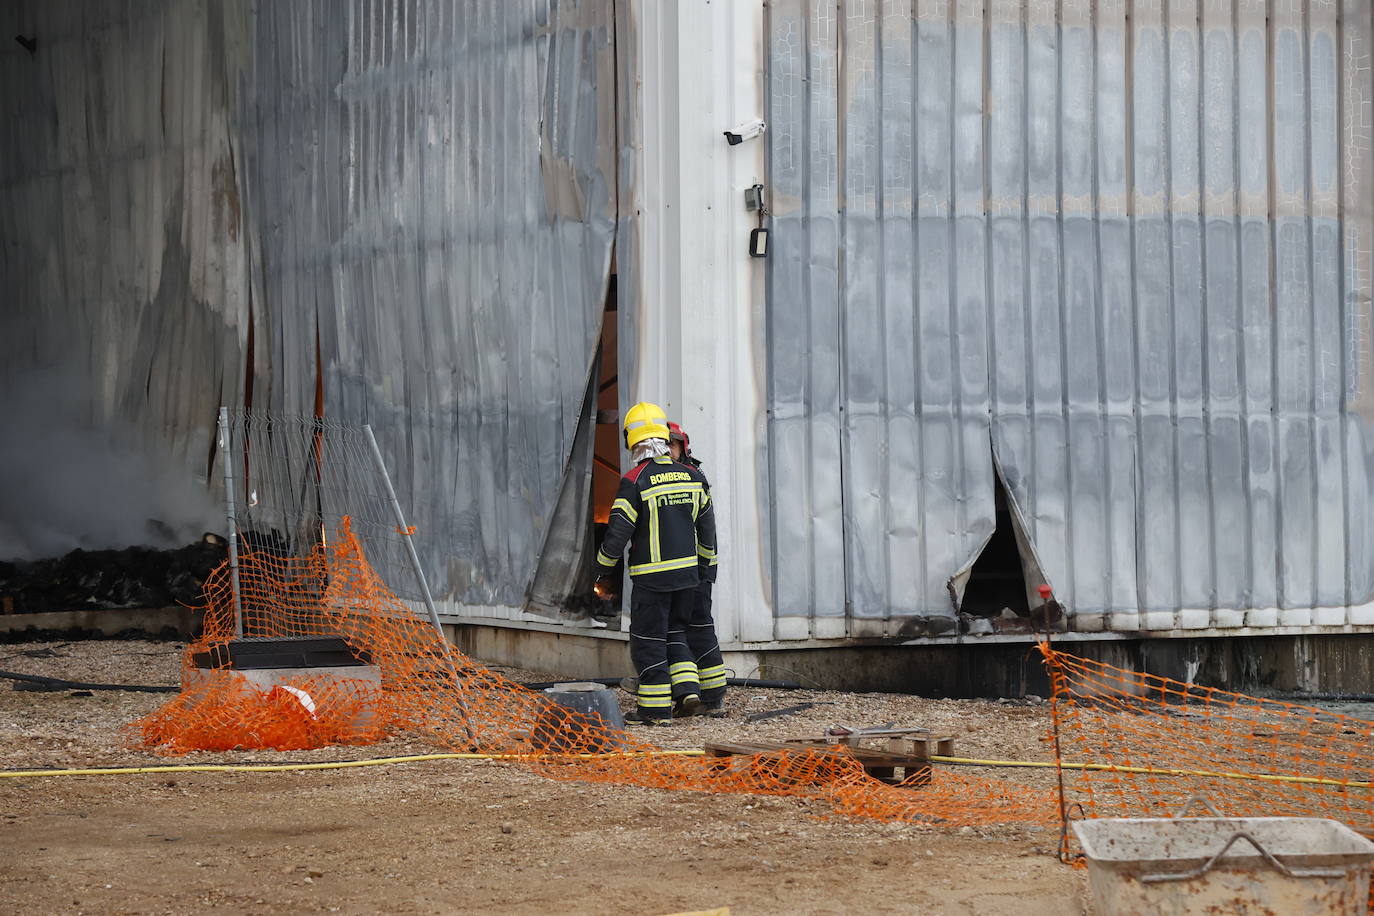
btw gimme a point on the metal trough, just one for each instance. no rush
(1255, 865)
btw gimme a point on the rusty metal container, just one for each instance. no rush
(1285, 866)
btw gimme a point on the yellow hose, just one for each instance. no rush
(324, 765)
(414, 758)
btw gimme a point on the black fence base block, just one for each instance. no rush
(249, 653)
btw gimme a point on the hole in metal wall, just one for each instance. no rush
(606, 451)
(997, 582)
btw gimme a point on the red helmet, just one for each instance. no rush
(679, 434)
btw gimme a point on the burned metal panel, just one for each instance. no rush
(123, 266)
(411, 203)
(434, 190)
(1127, 245)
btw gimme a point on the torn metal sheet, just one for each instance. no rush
(563, 581)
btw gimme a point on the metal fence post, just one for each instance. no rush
(404, 531)
(226, 449)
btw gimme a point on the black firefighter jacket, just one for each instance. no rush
(663, 510)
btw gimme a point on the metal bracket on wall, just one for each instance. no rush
(753, 198)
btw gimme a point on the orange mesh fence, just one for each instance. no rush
(1136, 744)
(428, 688)
(1151, 744)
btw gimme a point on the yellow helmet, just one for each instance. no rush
(645, 421)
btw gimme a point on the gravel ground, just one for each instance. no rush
(473, 836)
(64, 728)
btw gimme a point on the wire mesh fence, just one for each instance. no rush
(296, 478)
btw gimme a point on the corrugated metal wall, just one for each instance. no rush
(434, 183)
(1127, 246)
(424, 188)
(123, 271)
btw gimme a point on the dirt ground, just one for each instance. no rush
(460, 836)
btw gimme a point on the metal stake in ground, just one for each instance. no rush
(404, 530)
(225, 447)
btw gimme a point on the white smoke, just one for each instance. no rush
(68, 480)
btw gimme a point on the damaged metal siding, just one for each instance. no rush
(123, 270)
(414, 200)
(1127, 246)
(435, 184)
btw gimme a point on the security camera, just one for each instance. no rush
(746, 131)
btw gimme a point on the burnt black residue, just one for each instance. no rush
(135, 577)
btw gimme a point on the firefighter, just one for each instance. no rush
(662, 511)
(699, 641)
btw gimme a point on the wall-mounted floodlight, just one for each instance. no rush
(758, 243)
(755, 201)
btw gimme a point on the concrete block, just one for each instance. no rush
(572, 655)
(362, 681)
(164, 623)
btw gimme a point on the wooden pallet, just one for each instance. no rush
(911, 742)
(891, 767)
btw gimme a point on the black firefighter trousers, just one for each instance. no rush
(702, 647)
(666, 669)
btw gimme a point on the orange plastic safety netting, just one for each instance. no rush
(422, 685)
(1148, 744)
